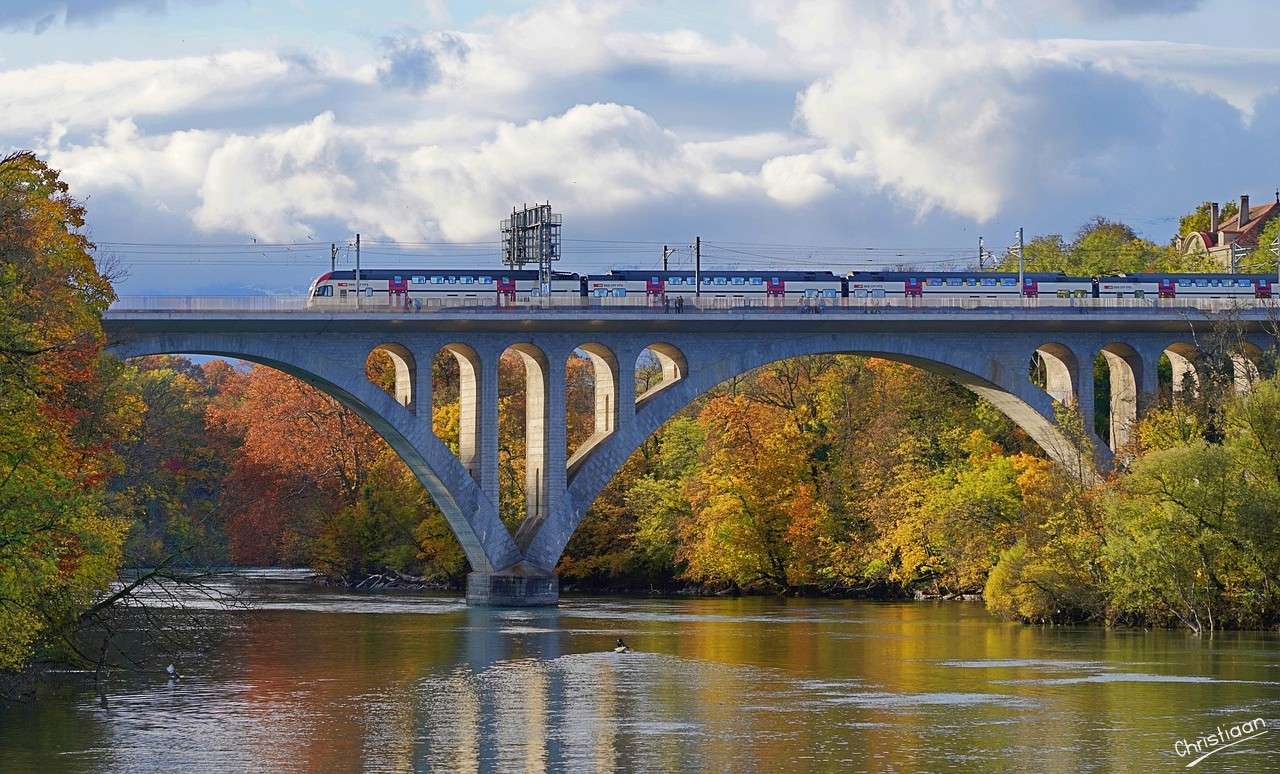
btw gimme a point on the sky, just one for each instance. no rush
(221, 145)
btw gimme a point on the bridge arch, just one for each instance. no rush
(674, 368)
(1061, 371)
(605, 381)
(405, 387)
(1027, 406)
(1125, 370)
(487, 544)
(1184, 368)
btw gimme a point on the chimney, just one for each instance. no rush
(1244, 211)
(1213, 217)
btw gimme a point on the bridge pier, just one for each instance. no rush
(512, 589)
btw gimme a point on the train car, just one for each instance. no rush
(751, 287)
(401, 287)
(963, 284)
(1221, 286)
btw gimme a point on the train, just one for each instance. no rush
(436, 287)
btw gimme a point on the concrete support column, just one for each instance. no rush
(486, 464)
(537, 429)
(1149, 382)
(1084, 388)
(422, 389)
(625, 407)
(554, 487)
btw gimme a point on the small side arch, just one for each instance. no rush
(1061, 370)
(674, 369)
(1124, 369)
(604, 367)
(405, 390)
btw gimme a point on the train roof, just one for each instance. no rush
(640, 274)
(896, 275)
(436, 271)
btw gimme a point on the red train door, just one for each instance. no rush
(1030, 288)
(775, 286)
(398, 290)
(506, 287)
(1167, 289)
(1262, 288)
(654, 286)
(913, 287)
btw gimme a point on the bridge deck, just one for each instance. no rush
(273, 313)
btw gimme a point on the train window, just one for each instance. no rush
(654, 280)
(451, 280)
(1214, 282)
(1243, 283)
(1202, 283)
(368, 292)
(810, 292)
(673, 281)
(912, 281)
(467, 280)
(739, 280)
(757, 280)
(324, 291)
(437, 280)
(988, 282)
(486, 280)
(722, 280)
(418, 280)
(1185, 283)
(398, 279)
(619, 292)
(935, 281)
(829, 292)
(1011, 281)
(776, 281)
(706, 280)
(954, 281)
(600, 292)
(971, 281)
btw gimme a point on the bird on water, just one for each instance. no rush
(621, 647)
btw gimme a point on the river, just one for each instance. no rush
(310, 679)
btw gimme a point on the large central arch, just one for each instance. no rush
(1004, 385)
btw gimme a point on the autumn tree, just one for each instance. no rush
(63, 406)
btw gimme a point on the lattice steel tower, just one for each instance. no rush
(532, 234)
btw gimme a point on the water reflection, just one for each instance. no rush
(305, 684)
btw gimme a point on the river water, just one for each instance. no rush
(309, 679)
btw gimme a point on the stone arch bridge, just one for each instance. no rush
(989, 351)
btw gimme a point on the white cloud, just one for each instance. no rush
(34, 98)
(428, 180)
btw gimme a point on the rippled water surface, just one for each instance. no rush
(312, 680)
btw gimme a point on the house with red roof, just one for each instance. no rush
(1238, 234)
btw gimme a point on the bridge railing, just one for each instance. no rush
(264, 304)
